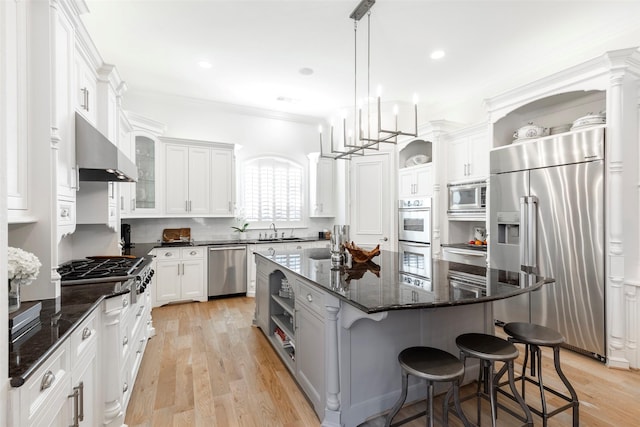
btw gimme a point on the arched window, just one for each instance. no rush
(272, 190)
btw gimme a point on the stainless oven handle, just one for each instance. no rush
(471, 252)
(415, 245)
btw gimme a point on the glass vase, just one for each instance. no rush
(14, 295)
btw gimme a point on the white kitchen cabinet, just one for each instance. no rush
(114, 358)
(187, 180)
(199, 178)
(222, 182)
(181, 274)
(321, 186)
(143, 199)
(42, 399)
(68, 381)
(415, 182)
(85, 99)
(468, 154)
(13, 108)
(139, 141)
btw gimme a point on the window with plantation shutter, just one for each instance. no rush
(272, 191)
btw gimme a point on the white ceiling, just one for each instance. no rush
(258, 47)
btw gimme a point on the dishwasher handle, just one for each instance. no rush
(227, 248)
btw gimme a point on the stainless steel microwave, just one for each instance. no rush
(467, 199)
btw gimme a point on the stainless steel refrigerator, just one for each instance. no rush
(546, 214)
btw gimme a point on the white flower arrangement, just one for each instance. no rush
(23, 266)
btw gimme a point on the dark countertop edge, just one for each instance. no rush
(407, 306)
(19, 380)
(449, 303)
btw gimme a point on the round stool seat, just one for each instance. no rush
(430, 363)
(534, 334)
(487, 347)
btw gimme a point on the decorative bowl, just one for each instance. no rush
(360, 255)
(530, 131)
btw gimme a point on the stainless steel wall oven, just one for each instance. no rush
(414, 221)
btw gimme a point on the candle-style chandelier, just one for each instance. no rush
(365, 141)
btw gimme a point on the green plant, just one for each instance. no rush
(241, 229)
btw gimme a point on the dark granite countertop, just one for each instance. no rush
(58, 319)
(380, 286)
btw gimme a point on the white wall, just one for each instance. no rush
(256, 132)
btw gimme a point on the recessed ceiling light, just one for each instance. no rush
(305, 71)
(437, 54)
(204, 64)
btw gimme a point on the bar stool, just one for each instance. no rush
(491, 349)
(533, 337)
(433, 365)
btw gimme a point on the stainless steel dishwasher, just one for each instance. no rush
(227, 271)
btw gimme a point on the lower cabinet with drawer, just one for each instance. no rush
(64, 391)
(180, 275)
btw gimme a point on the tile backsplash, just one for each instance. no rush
(149, 230)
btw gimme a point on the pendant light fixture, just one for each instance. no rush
(365, 140)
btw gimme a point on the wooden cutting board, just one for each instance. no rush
(170, 235)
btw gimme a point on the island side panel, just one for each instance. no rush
(370, 378)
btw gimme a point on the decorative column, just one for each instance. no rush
(614, 288)
(332, 408)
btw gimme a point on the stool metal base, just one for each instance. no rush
(433, 365)
(536, 363)
(490, 349)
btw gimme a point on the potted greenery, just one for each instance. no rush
(241, 230)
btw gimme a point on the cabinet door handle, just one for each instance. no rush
(76, 416)
(125, 387)
(309, 298)
(125, 341)
(81, 387)
(121, 203)
(47, 380)
(86, 102)
(125, 302)
(86, 333)
(193, 253)
(189, 205)
(133, 204)
(186, 205)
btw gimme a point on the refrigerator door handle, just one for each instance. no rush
(532, 230)
(523, 227)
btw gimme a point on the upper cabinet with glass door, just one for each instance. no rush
(141, 144)
(141, 198)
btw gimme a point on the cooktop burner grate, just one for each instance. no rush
(98, 268)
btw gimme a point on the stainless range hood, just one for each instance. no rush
(98, 158)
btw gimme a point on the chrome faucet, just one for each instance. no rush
(275, 230)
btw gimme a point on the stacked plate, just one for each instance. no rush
(589, 120)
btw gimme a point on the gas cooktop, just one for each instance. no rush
(95, 269)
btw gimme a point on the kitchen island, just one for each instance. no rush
(339, 330)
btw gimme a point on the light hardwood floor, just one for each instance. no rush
(208, 366)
